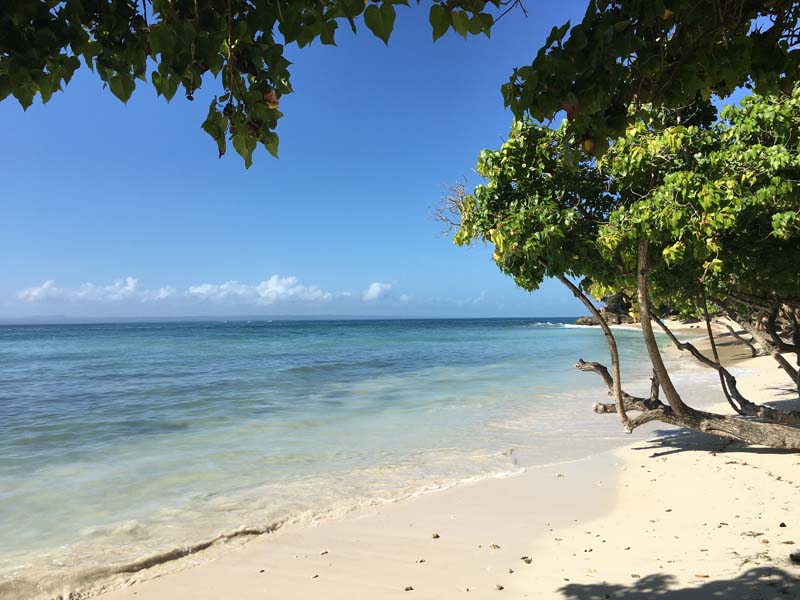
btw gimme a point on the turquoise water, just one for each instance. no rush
(121, 442)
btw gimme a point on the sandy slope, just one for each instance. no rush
(674, 515)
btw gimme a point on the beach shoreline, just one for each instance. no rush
(671, 513)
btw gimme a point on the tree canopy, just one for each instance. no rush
(235, 45)
(679, 210)
(639, 53)
(623, 53)
(718, 202)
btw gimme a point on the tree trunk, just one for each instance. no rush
(671, 394)
(739, 338)
(751, 431)
(745, 406)
(771, 349)
(782, 346)
(612, 349)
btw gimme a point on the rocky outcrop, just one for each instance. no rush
(611, 318)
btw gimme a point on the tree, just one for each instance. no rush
(191, 43)
(674, 213)
(623, 53)
(639, 53)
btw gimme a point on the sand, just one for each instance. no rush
(674, 515)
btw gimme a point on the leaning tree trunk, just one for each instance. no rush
(746, 429)
(771, 349)
(736, 399)
(612, 349)
(642, 266)
(751, 431)
(781, 345)
(739, 338)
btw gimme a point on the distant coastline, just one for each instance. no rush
(67, 320)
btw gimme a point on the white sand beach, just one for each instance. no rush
(674, 515)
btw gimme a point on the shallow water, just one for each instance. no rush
(121, 442)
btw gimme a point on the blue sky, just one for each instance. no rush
(125, 210)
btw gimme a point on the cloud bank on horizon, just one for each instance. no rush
(270, 291)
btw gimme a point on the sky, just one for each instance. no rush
(124, 210)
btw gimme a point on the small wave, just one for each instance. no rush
(94, 581)
(337, 366)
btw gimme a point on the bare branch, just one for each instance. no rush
(450, 209)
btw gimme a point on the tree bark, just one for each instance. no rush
(739, 338)
(773, 435)
(671, 394)
(745, 406)
(771, 349)
(782, 346)
(612, 349)
(717, 362)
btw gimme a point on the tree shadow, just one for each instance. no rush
(761, 583)
(670, 441)
(793, 403)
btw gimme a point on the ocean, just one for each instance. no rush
(131, 442)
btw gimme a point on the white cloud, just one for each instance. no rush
(272, 290)
(161, 293)
(120, 289)
(376, 291)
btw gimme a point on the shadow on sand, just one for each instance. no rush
(670, 441)
(761, 583)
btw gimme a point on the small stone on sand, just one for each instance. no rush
(435, 536)
(500, 588)
(409, 588)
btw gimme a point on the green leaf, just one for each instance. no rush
(122, 86)
(440, 21)
(244, 145)
(270, 141)
(475, 25)
(215, 125)
(487, 20)
(326, 36)
(460, 22)
(380, 20)
(24, 95)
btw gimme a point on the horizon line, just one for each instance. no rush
(65, 319)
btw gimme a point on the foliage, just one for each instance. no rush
(623, 54)
(186, 43)
(718, 203)
(672, 53)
